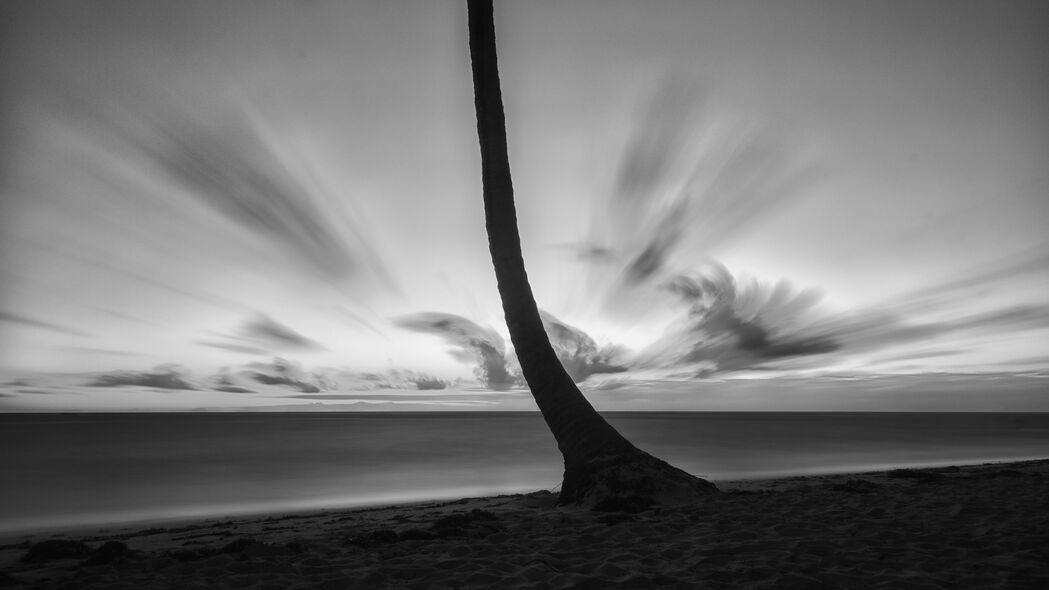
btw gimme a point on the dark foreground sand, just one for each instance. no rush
(983, 526)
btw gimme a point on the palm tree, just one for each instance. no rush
(599, 462)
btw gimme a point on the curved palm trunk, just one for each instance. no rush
(599, 462)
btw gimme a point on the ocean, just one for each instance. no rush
(61, 470)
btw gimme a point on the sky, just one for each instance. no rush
(705, 191)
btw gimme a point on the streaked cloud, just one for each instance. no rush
(692, 175)
(265, 329)
(165, 175)
(878, 330)
(226, 160)
(578, 352)
(23, 320)
(468, 342)
(261, 334)
(730, 324)
(235, 347)
(103, 351)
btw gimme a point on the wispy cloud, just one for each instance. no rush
(691, 176)
(730, 324)
(1021, 264)
(877, 330)
(468, 342)
(103, 351)
(22, 320)
(578, 352)
(233, 171)
(261, 334)
(263, 328)
(224, 156)
(694, 176)
(140, 279)
(234, 347)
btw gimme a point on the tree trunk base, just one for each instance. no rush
(629, 480)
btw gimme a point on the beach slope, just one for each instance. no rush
(980, 526)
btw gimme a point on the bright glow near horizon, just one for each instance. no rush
(724, 188)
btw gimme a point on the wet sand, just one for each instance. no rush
(980, 526)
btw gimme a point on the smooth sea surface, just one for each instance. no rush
(60, 470)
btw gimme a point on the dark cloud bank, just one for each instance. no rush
(274, 376)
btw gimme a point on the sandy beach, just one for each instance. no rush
(979, 526)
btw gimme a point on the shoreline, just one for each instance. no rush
(980, 525)
(761, 480)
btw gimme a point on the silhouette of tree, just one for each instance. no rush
(600, 464)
